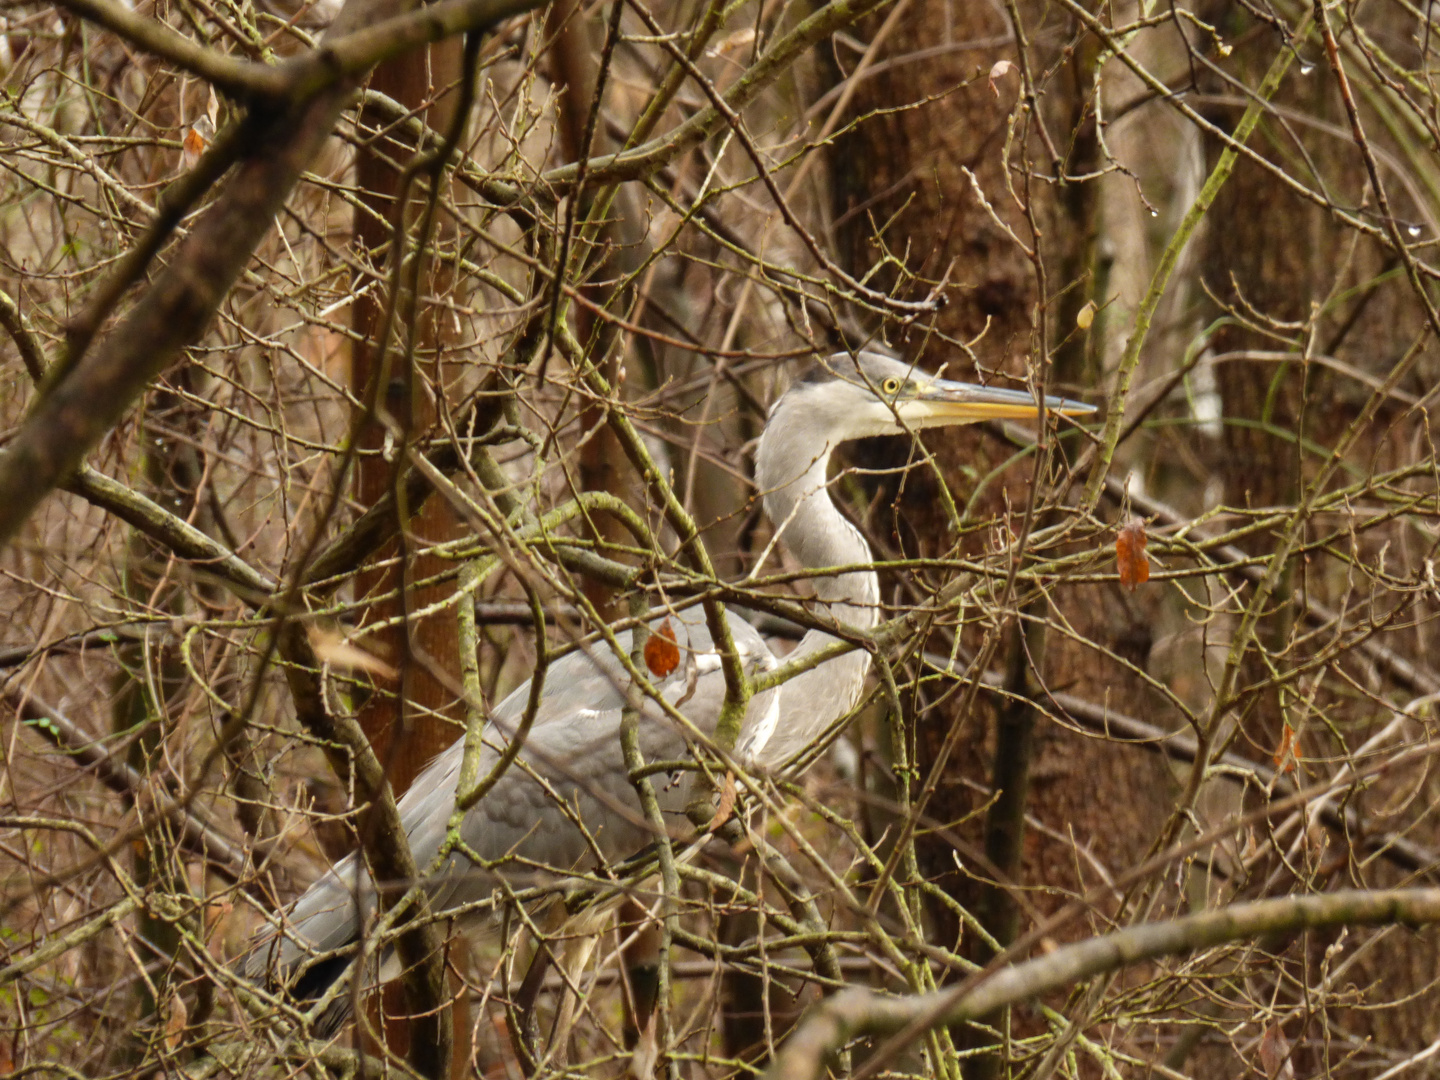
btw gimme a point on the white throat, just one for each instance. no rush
(792, 479)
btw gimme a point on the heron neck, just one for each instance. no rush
(790, 469)
(792, 476)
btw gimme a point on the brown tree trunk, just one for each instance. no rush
(574, 67)
(411, 719)
(406, 732)
(906, 169)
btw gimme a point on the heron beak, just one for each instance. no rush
(945, 402)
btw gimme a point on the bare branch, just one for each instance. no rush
(858, 1013)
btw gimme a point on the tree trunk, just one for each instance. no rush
(905, 169)
(408, 720)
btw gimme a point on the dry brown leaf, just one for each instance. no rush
(1275, 1054)
(1130, 555)
(177, 1016)
(1000, 69)
(332, 649)
(662, 655)
(1286, 754)
(726, 806)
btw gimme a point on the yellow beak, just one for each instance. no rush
(946, 402)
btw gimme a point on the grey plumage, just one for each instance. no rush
(573, 755)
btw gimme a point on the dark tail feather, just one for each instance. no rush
(302, 983)
(319, 977)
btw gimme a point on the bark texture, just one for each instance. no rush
(905, 169)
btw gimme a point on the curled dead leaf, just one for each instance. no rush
(1288, 750)
(176, 1017)
(1085, 317)
(1000, 69)
(662, 655)
(1275, 1054)
(1130, 554)
(330, 648)
(726, 805)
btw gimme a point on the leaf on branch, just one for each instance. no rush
(1085, 317)
(1287, 753)
(197, 137)
(1000, 69)
(1275, 1054)
(1130, 555)
(726, 805)
(177, 1016)
(330, 648)
(662, 655)
(201, 133)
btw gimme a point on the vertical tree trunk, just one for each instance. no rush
(409, 731)
(905, 169)
(575, 70)
(408, 720)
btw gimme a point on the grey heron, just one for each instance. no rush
(568, 800)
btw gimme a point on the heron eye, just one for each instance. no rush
(891, 387)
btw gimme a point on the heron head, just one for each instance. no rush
(855, 396)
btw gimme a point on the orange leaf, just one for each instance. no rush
(1130, 555)
(1285, 756)
(194, 145)
(661, 654)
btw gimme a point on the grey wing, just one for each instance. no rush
(568, 796)
(571, 779)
